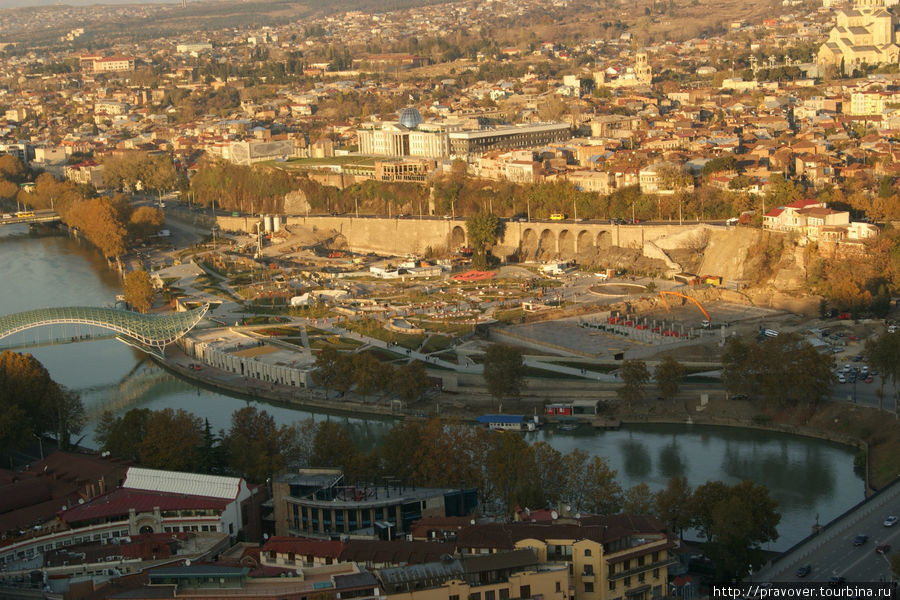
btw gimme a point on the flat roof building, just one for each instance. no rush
(318, 502)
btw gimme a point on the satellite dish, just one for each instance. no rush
(472, 521)
(577, 515)
(554, 515)
(64, 507)
(187, 562)
(81, 501)
(265, 536)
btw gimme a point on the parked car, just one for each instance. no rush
(869, 379)
(860, 540)
(804, 570)
(883, 548)
(841, 378)
(891, 521)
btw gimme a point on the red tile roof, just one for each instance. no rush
(119, 502)
(803, 203)
(304, 546)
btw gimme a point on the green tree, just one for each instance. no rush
(704, 500)
(638, 500)
(211, 455)
(410, 381)
(634, 376)
(369, 374)
(549, 464)
(138, 290)
(483, 230)
(325, 370)
(254, 444)
(333, 447)
(171, 439)
(668, 374)
(31, 403)
(504, 372)
(741, 523)
(673, 504)
(783, 370)
(122, 436)
(510, 468)
(68, 419)
(883, 353)
(603, 493)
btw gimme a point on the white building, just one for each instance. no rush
(149, 501)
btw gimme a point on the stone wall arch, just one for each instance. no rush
(529, 243)
(566, 244)
(584, 243)
(547, 244)
(457, 238)
(604, 240)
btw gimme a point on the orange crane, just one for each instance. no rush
(663, 294)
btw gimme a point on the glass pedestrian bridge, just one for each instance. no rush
(151, 333)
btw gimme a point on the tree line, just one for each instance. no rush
(507, 471)
(366, 375)
(111, 223)
(33, 405)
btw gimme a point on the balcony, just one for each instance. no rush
(644, 568)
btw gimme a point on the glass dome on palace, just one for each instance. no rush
(410, 117)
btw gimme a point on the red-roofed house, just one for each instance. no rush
(151, 501)
(296, 553)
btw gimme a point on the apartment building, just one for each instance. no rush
(467, 143)
(617, 557)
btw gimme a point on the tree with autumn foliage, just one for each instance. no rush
(138, 290)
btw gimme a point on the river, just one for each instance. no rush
(810, 478)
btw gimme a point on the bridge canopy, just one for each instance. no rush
(148, 331)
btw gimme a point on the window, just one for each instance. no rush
(489, 595)
(626, 565)
(454, 597)
(587, 552)
(656, 573)
(525, 591)
(588, 569)
(627, 581)
(655, 556)
(558, 586)
(640, 578)
(640, 561)
(475, 596)
(612, 586)
(588, 587)
(504, 594)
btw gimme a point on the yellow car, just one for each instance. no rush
(557, 217)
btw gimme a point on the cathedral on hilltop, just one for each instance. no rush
(864, 34)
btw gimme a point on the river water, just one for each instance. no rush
(810, 478)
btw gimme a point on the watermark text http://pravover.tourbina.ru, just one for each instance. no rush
(788, 591)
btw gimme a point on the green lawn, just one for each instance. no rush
(436, 343)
